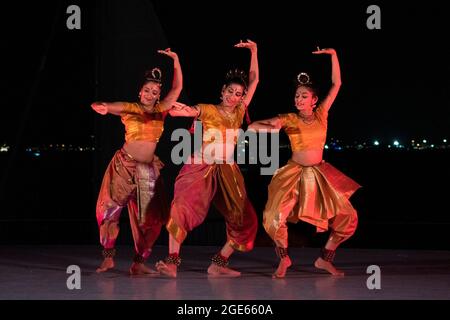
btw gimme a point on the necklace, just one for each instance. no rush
(145, 108)
(307, 119)
(227, 114)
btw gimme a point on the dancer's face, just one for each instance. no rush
(232, 95)
(150, 93)
(305, 99)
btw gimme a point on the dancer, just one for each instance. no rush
(211, 176)
(308, 188)
(132, 177)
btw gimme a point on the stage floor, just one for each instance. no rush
(40, 273)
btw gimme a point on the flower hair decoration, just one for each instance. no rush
(237, 74)
(303, 79)
(154, 75)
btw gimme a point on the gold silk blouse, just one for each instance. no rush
(142, 125)
(215, 124)
(306, 136)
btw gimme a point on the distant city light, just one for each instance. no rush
(332, 145)
(4, 149)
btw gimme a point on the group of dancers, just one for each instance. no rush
(307, 188)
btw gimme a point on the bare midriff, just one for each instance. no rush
(141, 151)
(308, 158)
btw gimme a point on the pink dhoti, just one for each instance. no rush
(199, 185)
(318, 195)
(137, 185)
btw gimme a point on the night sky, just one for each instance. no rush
(395, 80)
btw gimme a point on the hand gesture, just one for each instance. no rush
(100, 107)
(330, 51)
(181, 110)
(249, 44)
(179, 106)
(169, 53)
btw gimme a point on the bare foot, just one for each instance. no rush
(167, 269)
(108, 263)
(141, 269)
(216, 271)
(328, 266)
(285, 263)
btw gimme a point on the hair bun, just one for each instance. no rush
(154, 75)
(303, 79)
(236, 74)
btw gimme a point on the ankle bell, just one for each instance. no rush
(220, 260)
(327, 255)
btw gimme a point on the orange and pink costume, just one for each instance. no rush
(199, 185)
(317, 194)
(128, 182)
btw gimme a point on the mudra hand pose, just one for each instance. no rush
(210, 176)
(132, 177)
(308, 188)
